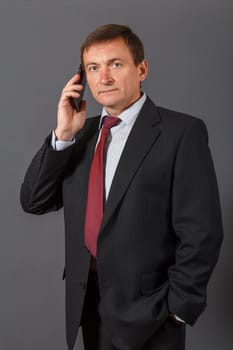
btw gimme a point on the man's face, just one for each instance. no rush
(112, 76)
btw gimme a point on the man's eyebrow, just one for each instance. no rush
(114, 59)
(91, 63)
(108, 61)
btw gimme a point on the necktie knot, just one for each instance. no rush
(110, 121)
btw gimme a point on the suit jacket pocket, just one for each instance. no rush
(152, 282)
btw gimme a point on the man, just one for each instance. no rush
(137, 270)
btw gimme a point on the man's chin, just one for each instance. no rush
(108, 102)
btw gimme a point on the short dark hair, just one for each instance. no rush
(108, 32)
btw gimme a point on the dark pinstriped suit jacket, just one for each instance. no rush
(161, 231)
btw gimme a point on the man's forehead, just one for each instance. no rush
(107, 50)
(108, 42)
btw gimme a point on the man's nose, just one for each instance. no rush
(106, 76)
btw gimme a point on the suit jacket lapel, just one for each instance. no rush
(143, 135)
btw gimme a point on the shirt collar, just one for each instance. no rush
(130, 114)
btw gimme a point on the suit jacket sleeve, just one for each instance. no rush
(41, 190)
(196, 219)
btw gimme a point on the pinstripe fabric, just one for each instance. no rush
(162, 214)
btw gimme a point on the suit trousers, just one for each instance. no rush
(170, 336)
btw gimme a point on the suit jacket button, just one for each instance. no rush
(83, 285)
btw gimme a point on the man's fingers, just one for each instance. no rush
(72, 88)
(73, 80)
(71, 91)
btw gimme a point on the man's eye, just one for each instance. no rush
(92, 68)
(116, 64)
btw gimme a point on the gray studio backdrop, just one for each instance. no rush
(189, 48)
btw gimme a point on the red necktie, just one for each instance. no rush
(96, 193)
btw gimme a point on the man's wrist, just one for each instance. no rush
(60, 145)
(63, 136)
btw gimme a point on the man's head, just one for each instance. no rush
(113, 58)
(109, 32)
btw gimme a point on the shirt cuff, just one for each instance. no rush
(59, 145)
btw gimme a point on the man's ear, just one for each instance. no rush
(143, 69)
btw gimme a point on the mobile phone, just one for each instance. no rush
(76, 102)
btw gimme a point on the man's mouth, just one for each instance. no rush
(107, 91)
